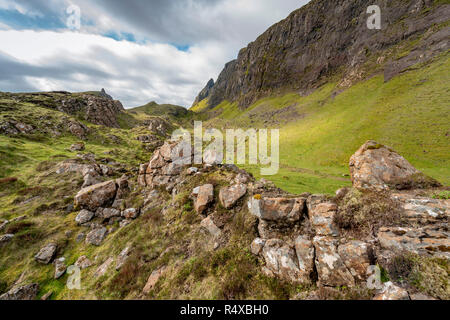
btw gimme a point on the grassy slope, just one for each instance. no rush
(410, 113)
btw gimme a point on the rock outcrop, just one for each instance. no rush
(206, 91)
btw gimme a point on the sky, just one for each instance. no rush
(138, 50)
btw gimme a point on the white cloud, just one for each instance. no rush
(135, 73)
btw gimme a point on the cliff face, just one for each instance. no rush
(330, 37)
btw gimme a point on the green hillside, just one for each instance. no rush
(320, 132)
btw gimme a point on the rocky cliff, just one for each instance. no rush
(330, 38)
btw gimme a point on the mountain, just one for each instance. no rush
(329, 39)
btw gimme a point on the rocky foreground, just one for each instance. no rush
(367, 240)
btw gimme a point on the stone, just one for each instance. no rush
(205, 196)
(46, 254)
(282, 261)
(26, 292)
(80, 237)
(108, 213)
(356, 257)
(375, 166)
(179, 152)
(153, 279)
(124, 223)
(322, 219)
(172, 169)
(84, 216)
(257, 246)
(103, 268)
(228, 196)
(106, 171)
(79, 146)
(5, 238)
(392, 292)
(277, 209)
(46, 296)
(130, 213)
(330, 267)
(96, 196)
(242, 178)
(60, 267)
(122, 257)
(304, 249)
(430, 240)
(83, 263)
(96, 236)
(209, 225)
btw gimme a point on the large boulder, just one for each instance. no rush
(375, 166)
(96, 196)
(392, 292)
(277, 209)
(211, 227)
(228, 196)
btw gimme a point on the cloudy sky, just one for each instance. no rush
(138, 50)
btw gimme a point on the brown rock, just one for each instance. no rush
(96, 196)
(46, 254)
(392, 292)
(228, 196)
(375, 166)
(304, 249)
(205, 196)
(322, 217)
(26, 292)
(355, 255)
(277, 209)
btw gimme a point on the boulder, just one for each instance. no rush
(330, 267)
(96, 236)
(228, 196)
(107, 213)
(209, 225)
(282, 261)
(131, 213)
(192, 170)
(392, 292)
(26, 292)
(356, 257)
(46, 254)
(157, 161)
(375, 166)
(257, 246)
(96, 196)
(277, 209)
(204, 197)
(83, 262)
(84, 216)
